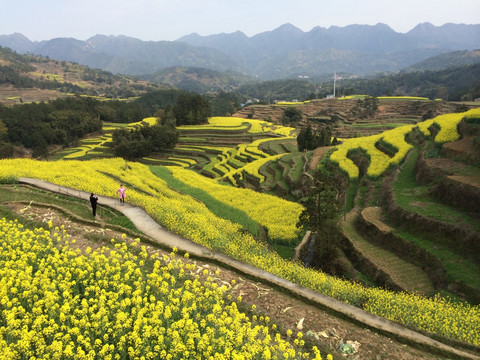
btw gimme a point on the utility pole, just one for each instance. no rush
(334, 82)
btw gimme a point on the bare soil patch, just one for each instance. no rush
(317, 156)
(11, 96)
(420, 204)
(464, 145)
(469, 180)
(374, 216)
(444, 163)
(451, 166)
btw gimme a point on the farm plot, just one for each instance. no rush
(141, 296)
(380, 161)
(191, 219)
(98, 147)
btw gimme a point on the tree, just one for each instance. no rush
(3, 130)
(321, 203)
(291, 116)
(225, 104)
(309, 140)
(306, 139)
(142, 141)
(370, 105)
(191, 109)
(320, 216)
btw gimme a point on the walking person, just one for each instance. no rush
(121, 194)
(93, 201)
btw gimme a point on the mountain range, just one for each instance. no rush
(285, 52)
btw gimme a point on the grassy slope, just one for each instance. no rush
(78, 208)
(409, 196)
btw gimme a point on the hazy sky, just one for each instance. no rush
(171, 19)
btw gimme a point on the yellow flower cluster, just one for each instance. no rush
(473, 114)
(350, 97)
(219, 123)
(149, 120)
(251, 126)
(402, 98)
(187, 217)
(88, 146)
(447, 124)
(380, 161)
(279, 216)
(244, 158)
(291, 103)
(57, 303)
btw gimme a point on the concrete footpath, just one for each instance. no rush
(163, 237)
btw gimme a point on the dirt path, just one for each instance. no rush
(317, 156)
(272, 296)
(373, 215)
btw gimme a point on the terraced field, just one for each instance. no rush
(257, 155)
(385, 267)
(348, 123)
(429, 219)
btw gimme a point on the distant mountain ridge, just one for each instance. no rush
(281, 53)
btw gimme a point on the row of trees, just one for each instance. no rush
(144, 140)
(454, 84)
(179, 108)
(308, 139)
(66, 120)
(38, 125)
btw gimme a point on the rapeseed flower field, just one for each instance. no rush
(379, 161)
(279, 216)
(120, 302)
(189, 218)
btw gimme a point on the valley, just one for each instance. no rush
(384, 198)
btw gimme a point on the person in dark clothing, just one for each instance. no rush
(93, 201)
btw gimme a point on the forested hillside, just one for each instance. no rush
(460, 83)
(63, 122)
(28, 78)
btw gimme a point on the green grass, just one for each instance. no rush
(274, 146)
(286, 166)
(465, 170)
(296, 163)
(416, 199)
(192, 139)
(79, 208)
(403, 273)
(457, 267)
(285, 252)
(350, 195)
(219, 208)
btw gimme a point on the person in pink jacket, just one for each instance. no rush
(121, 193)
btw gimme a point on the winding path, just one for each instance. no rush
(165, 238)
